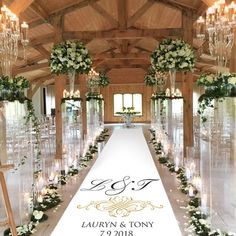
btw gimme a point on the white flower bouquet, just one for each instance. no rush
(173, 54)
(70, 56)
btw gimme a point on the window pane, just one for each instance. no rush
(137, 102)
(128, 100)
(117, 103)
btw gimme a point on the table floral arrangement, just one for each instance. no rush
(70, 56)
(216, 87)
(127, 111)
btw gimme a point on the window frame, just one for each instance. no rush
(116, 115)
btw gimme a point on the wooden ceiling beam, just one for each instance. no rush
(104, 14)
(48, 82)
(177, 5)
(18, 6)
(47, 38)
(124, 46)
(20, 70)
(66, 9)
(139, 13)
(124, 34)
(133, 44)
(143, 49)
(114, 44)
(42, 51)
(122, 14)
(208, 2)
(108, 68)
(41, 78)
(39, 10)
(201, 10)
(104, 56)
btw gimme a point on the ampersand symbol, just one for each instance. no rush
(122, 224)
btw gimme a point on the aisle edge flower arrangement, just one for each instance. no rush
(198, 223)
(216, 87)
(51, 196)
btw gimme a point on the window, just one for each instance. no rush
(127, 100)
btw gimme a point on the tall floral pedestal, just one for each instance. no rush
(95, 111)
(167, 118)
(71, 129)
(217, 164)
(16, 145)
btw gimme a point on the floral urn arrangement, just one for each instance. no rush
(217, 86)
(70, 57)
(171, 56)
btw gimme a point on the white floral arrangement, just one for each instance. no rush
(70, 56)
(216, 80)
(173, 54)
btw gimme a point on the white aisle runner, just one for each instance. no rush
(122, 194)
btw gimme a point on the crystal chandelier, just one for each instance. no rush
(219, 24)
(11, 32)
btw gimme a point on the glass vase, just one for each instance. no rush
(71, 76)
(172, 76)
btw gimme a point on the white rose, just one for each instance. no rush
(232, 80)
(38, 214)
(184, 64)
(209, 78)
(181, 53)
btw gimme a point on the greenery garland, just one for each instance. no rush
(216, 87)
(173, 54)
(197, 222)
(70, 56)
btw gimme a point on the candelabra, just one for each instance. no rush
(11, 32)
(219, 23)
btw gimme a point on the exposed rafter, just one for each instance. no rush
(122, 56)
(20, 70)
(110, 67)
(177, 5)
(66, 9)
(42, 50)
(39, 10)
(18, 6)
(123, 34)
(122, 14)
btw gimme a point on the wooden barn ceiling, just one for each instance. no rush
(118, 33)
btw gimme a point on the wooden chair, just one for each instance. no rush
(10, 219)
